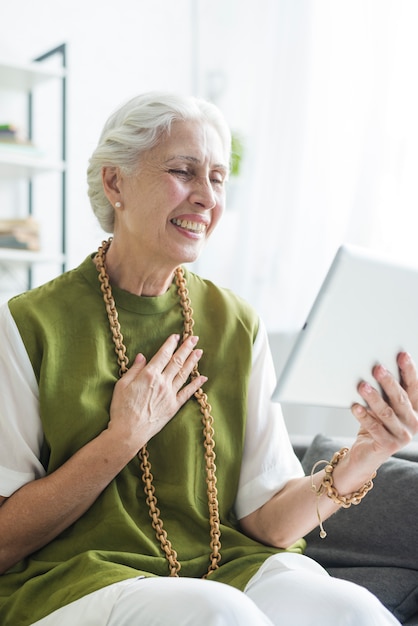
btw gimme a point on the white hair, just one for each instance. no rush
(136, 127)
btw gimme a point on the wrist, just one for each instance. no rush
(327, 485)
(350, 473)
(116, 452)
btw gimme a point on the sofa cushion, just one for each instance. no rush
(375, 543)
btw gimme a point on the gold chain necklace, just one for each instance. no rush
(205, 409)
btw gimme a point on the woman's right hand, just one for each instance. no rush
(149, 394)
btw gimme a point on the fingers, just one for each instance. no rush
(135, 369)
(172, 365)
(187, 391)
(409, 377)
(392, 411)
(179, 364)
(380, 418)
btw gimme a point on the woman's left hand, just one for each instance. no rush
(390, 419)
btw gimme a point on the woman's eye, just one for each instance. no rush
(183, 173)
(187, 174)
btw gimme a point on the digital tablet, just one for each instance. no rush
(366, 312)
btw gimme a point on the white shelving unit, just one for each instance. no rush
(27, 257)
(19, 162)
(26, 76)
(22, 165)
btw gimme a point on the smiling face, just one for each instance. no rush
(172, 204)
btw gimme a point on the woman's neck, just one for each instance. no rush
(136, 275)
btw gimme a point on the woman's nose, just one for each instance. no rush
(203, 194)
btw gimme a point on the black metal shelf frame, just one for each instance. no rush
(61, 52)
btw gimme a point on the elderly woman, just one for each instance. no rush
(113, 509)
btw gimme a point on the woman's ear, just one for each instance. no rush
(111, 178)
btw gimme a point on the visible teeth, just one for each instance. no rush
(196, 227)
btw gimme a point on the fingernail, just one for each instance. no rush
(380, 371)
(366, 388)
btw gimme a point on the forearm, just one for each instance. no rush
(39, 511)
(292, 512)
(288, 516)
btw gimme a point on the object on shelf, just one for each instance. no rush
(13, 138)
(9, 133)
(22, 234)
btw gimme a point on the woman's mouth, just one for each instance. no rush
(194, 227)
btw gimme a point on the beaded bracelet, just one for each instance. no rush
(327, 486)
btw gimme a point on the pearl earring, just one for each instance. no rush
(118, 205)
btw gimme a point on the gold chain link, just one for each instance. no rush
(207, 421)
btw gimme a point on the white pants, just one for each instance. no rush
(288, 590)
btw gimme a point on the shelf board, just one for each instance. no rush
(28, 257)
(25, 76)
(18, 162)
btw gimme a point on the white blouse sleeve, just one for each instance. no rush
(269, 461)
(21, 433)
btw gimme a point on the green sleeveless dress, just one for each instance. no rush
(65, 330)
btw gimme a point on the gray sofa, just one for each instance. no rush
(374, 544)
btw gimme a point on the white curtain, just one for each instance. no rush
(330, 150)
